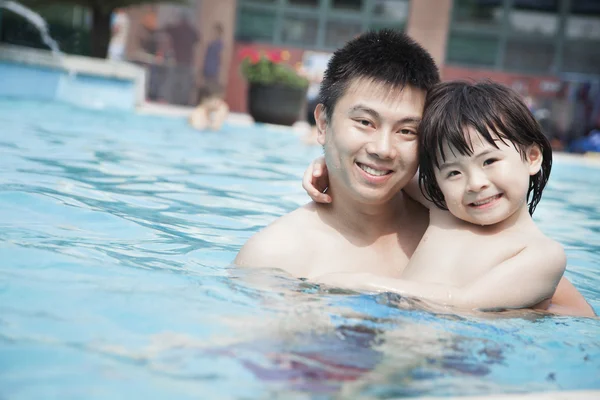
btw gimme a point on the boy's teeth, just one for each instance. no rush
(372, 171)
(480, 203)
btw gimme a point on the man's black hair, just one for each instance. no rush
(495, 112)
(386, 56)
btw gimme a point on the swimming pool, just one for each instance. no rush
(116, 232)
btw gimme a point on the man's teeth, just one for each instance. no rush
(373, 171)
(489, 200)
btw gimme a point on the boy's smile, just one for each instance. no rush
(488, 186)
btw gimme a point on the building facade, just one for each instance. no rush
(545, 49)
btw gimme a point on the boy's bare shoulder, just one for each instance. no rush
(549, 251)
(284, 244)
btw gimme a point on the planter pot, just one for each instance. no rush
(275, 104)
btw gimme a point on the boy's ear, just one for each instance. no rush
(534, 159)
(321, 121)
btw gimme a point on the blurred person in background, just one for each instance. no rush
(211, 110)
(119, 30)
(314, 65)
(211, 69)
(183, 40)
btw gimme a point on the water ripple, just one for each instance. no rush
(116, 232)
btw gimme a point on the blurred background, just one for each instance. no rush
(548, 50)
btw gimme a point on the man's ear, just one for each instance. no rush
(321, 121)
(534, 159)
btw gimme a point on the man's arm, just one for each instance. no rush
(568, 300)
(522, 281)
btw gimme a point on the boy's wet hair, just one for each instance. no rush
(495, 112)
(386, 56)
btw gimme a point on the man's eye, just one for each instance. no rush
(407, 132)
(365, 122)
(490, 161)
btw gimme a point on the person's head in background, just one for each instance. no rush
(210, 94)
(482, 154)
(218, 31)
(370, 105)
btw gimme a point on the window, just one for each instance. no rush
(255, 24)
(473, 50)
(583, 21)
(316, 24)
(348, 5)
(580, 57)
(470, 14)
(391, 9)
(582, 45)
(300, 30)
(534, 55)
(304, 3)
(534, 17)
(338, 33)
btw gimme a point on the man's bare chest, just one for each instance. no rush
(385, 258)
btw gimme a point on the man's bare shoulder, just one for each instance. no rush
(284, 244)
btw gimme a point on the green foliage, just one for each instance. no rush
(268, 72)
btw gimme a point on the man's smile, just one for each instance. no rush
(373, 170)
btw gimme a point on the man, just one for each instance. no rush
(372, 99)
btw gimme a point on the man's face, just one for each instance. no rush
(370, 142)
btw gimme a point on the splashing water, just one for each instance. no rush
(36, 20)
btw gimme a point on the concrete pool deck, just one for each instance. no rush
(566, 395)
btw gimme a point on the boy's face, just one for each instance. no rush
(370, 142)
(490, 185)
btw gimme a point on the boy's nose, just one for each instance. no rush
(381, 145)
(477, 182)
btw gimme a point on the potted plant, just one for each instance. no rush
(276, 92)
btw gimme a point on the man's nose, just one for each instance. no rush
(477, 181)
(382, 144)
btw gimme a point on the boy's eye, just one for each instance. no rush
(490, 161)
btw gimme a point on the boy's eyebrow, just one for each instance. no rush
(447, 165)
(451, 164)
(484, 152)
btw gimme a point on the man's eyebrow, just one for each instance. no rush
(375, 114)
(365, 109)
(410, 120)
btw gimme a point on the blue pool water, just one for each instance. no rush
(116, 233)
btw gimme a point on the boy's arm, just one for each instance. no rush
(523, 281)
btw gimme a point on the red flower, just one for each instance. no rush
(274, 56)
(251, 53)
